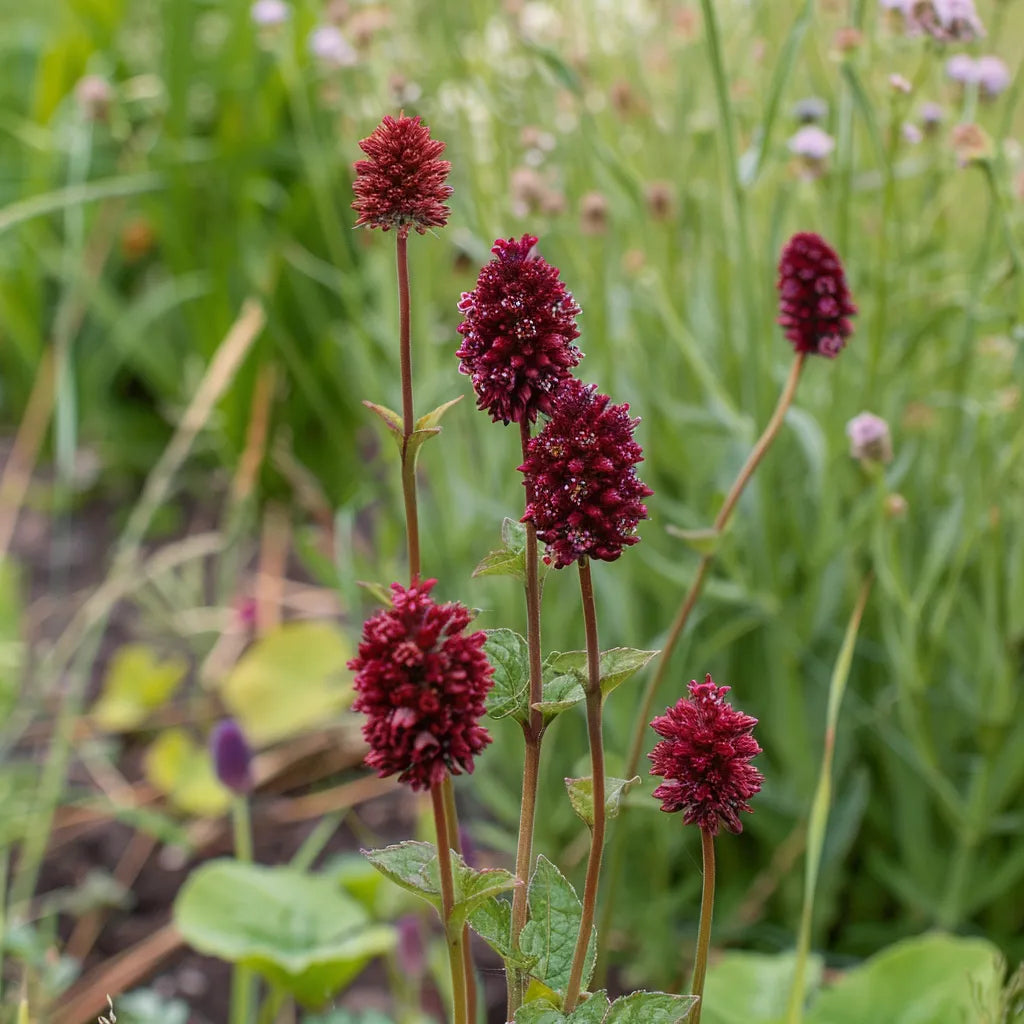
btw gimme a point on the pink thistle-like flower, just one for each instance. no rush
(705, 759)
(518, 333)
(586, 497)
(814, 301)
(402, 184)
(421, 680)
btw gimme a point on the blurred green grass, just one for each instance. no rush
(223, 170)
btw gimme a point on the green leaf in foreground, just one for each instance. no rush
(550, 934)
(636, 1008)
(414, 866)
(492, 921)
(296, 929)
(581, 796)
(506, 650)
(433, 418)
(136, 684)
(617, 665)
(560, 693)
(752, 988)
(931, 978)
(510, 558)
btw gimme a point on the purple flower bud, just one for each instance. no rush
(269, 13)
(869, 436)
(94, 95)
(911, 133)
(992, 75)
(330, 47)
(812, 143)
(932, 115)
(231, 756)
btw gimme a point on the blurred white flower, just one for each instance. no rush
(911, 133)
(268, 13)
(812, 143)
(329, 46)
(900, 84)
(992, 75)
(962, 68)
(94, 95)
(870, 440)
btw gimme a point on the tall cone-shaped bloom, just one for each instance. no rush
(518, 333)
(421, 681)
(402, 183)
(705, 759)
(814, 301)
(587, 497)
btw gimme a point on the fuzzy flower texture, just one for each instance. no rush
(705, 759)
(814, 301)
(518, 333)
(402, 184)
(585, 496)
(421, 680)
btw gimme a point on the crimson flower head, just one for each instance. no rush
(401, 185)
(421, 681)
(814, 302)
(584, 496)
(518, 333)
(705, 759)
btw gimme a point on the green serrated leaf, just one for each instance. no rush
(510, 558)
(414, 866)
(378, 591)
(539, 1011)
(550, 934)
(492, 921)
(616, 665)
(650, 1008)
(560, 694)
(593, 1011)
(433, 418)
(704, 541)
(509, 696)
(619, 663)
(581, 796)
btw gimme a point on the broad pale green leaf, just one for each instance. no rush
(297, 929)
(560, 694)
(510, 558)
(925, 980)
(509, 696)
(136, 684)
(183, 771)
(291, 679)
(539, 1011)
(433, 418)
(650, 1008)
(752, 988)
(492, 921)
(550, 934)
(593, 1011)
(414, 866)
(581, 795)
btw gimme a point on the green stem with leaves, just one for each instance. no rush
(594, 733)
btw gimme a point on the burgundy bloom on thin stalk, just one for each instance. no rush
(705, 759)
(402, 184)
(814, 301)
(232, 758)
(587, 497)
(518, 333)
(421, 681)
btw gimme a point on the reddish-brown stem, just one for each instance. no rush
(532, 734)
(453, 936)
(455, 842)
(721, 521)
(707, 906)
(412, 522)
(594, 702)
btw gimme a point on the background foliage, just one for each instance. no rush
(222, 171)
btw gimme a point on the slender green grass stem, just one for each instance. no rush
(532, 736)
(594, 705)
(453, 936)
(707, 908)
(820, 806)
(243, 981)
